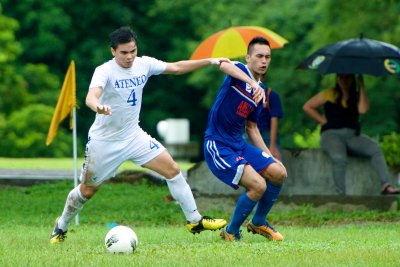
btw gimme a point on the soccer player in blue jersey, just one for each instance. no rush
(236, 162)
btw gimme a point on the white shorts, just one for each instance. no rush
(103, 158)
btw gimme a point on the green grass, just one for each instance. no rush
(371, 244)
(312, 237)
(61, 164)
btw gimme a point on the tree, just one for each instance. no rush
(12, 86)
(26, 131)
(46, 35)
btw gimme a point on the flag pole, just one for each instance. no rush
(75, 156)
(66, 105)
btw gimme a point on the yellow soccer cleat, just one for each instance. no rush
(58, 235)
(266, 231)
(206, 223)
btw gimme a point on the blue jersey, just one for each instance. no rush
(272, 108)
(233, 105)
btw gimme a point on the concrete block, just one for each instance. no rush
(309, 173)
(203, 181)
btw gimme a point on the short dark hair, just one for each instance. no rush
(122, 35)
(256, 40)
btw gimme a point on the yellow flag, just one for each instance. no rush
(66, 102)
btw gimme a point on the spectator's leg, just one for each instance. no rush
(365, 146)
(333, 144)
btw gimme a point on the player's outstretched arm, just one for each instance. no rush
(185, 66)
(92, 101)
(232, 70)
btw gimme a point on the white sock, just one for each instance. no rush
(181, 192)
(73, 206)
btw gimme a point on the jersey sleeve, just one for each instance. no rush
(235, 81)
(241, 66)
(100, 77)
(156, 66)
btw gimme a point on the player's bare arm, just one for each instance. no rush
(185, 66)
(273, 147)
(255, 136)
(232, 70)
(92, 101)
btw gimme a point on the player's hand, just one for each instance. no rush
(218, 61)
(275, 152)
(258, 92)
(104, 109)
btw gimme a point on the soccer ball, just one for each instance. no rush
(121, 239)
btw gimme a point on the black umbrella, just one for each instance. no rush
(355, 56)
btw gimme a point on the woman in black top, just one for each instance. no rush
(340, 129)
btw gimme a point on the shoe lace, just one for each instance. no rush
(269, 226)
(207, 218)
(61, 236)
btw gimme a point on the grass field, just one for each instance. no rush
(370, 244)
(61, 164)
(312, 237)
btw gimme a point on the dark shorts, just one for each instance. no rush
(228, 164)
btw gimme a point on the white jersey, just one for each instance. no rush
(122, 91)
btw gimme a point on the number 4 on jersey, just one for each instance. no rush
(153, 145)
(132, 98)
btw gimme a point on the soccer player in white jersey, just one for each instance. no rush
(115, 94)
(235, 162)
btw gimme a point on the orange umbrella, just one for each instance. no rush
(232, 42)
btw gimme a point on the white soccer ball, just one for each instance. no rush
(121, 239)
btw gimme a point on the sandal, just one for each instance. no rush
(388, 189)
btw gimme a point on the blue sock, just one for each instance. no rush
(265, 204)
(243, 208)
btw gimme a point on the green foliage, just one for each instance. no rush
(309, 139)
(3, 123)
(9, 47)
(12, 86)
(42, 85)
(26, 130)
(35, 34)
(390, 145)
(13, 90)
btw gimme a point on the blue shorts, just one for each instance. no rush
(228, 164)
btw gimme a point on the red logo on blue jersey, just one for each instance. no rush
(244, 109)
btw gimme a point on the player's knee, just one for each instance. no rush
(281, 176)
(172, 170)
(277, 174)
(261, 190)
(256, 191)
(88, 191)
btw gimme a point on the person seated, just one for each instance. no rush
(341, 130)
